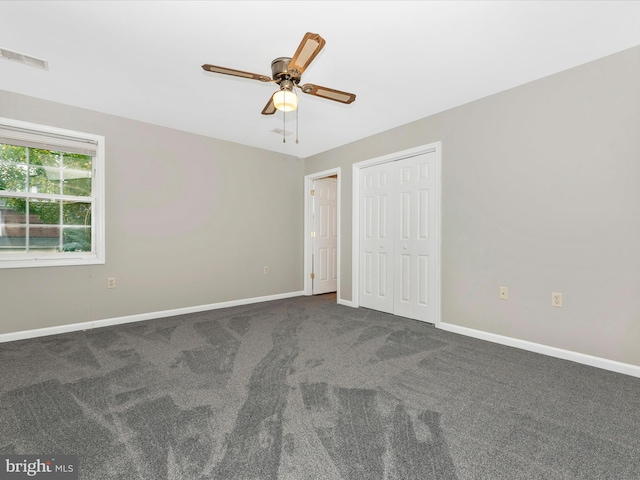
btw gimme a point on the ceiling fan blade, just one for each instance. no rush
(236, 73)
(269, 108)
(310, 46)
(328, 93)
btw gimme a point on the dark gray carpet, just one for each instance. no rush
(307, 389)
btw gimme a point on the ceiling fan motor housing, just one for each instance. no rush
(280, 70)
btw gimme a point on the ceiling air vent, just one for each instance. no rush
(24, 59)
(279, 131)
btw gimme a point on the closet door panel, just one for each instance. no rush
(376, 238)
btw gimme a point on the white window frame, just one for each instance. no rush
(57, 136)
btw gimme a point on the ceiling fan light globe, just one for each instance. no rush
(285, 100)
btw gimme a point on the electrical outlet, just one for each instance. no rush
(556, 299)
(266, 270)
(111, 282)
(504, 293)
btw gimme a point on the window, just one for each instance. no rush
(51, 196)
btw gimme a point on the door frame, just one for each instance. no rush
(355, 236)
(308, 226)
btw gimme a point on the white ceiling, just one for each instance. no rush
(403, 60)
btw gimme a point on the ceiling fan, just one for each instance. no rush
(286, 73)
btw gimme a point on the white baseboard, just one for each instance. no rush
(612, 365)
(74, 327)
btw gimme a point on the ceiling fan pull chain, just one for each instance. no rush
(284, 134)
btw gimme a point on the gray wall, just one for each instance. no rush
(189, 221)
(541, 193)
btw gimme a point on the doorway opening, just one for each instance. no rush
(322, 233)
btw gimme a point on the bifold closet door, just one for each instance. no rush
(376, 237)
(396, 247)
(413, 249)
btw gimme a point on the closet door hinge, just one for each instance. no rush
(313, 192)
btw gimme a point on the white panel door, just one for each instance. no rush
(376, 238)
(325, 236)
(414, 211)
(397, 244)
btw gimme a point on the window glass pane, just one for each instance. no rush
(44, 211)
(76, 213)
(44, 180)
(46, 158)
(76, 175)
(76, 239)
(13, 154)
(44, 238)
(12, 226)
(13, 168)
(13, 177)
(44, 171)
